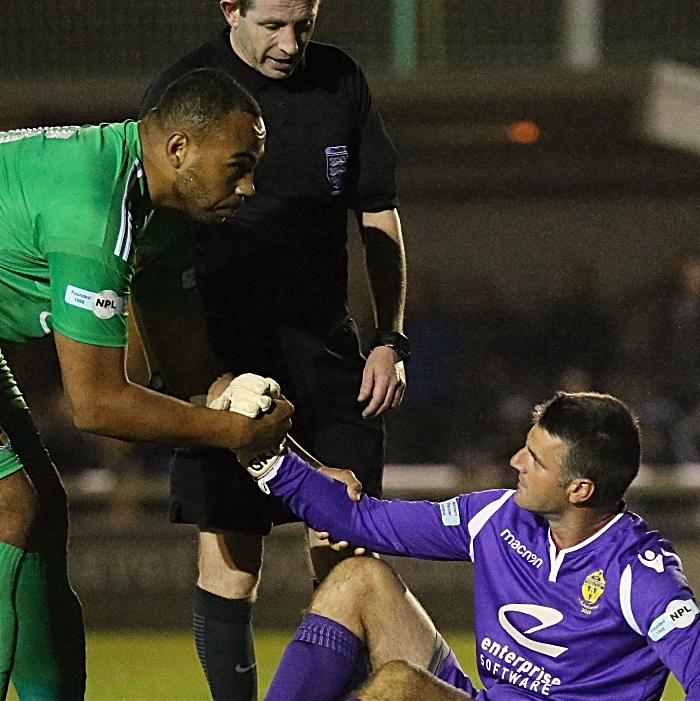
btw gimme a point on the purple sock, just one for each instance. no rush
(324, 662)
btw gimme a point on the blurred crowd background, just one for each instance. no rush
(551, 243)
(551, 208)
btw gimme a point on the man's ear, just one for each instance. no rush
(176, 148)
(231, 11)
(580, 491)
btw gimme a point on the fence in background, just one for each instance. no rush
(77, 39)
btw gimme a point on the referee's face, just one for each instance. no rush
(272, 35)
(216, 171)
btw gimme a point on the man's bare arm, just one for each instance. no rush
(384, 379)
(103, 401)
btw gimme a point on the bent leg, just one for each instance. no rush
(49, 651)
(368, 597)
(17, 504)
(361, 617)
(229, 572)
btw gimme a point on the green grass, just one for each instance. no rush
(164, 666)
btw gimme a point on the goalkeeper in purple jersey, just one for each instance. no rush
(575, 599)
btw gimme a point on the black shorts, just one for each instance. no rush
(322, 377)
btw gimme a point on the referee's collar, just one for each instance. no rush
(253, 80)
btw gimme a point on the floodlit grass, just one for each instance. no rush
(164, 666)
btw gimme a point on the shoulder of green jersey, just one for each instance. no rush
(7, 137)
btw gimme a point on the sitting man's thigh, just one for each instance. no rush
(401, 681)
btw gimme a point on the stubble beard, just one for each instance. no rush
(191, 196)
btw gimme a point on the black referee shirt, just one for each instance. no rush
(282, 259)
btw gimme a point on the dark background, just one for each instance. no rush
(566, 263)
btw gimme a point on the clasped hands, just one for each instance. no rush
(252, 395)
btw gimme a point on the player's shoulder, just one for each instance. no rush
(654, 594)
(89, 149)
(483, 505)
(646, 559)
(108, 146)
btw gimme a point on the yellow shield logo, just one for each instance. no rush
(593, 587)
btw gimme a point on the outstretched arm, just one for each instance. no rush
(103, 401)
(419, 529)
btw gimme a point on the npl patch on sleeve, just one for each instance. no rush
(678, 614)
(104, 305)
(450, 512)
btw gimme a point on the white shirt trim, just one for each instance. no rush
(556, 559)
(479, 521)
(125, 230)
(626, 599)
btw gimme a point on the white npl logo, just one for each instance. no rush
(546, 616)
(106, 304)
(678, 614)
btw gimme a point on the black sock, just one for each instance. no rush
(224, 637)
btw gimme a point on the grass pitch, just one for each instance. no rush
(164, 666)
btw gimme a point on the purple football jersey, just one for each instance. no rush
(605, 619)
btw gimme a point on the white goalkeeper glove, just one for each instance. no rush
(248, 394)
(251, 395)
(261, 465)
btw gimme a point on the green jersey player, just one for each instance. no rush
(89, 217)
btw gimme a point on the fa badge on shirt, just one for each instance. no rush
(336, 167)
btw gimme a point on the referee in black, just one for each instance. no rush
(273, 281)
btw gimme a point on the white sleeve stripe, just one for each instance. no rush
(626, 599)
(124, 239)
(480, 519)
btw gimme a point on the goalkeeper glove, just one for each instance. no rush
(248, 395)
(259, 465)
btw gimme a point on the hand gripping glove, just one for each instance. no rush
(248, 395)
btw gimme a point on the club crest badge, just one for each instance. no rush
(591, 590)
(336, 167)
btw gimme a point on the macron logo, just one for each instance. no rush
(519, 548)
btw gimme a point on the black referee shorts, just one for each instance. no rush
(321, 375)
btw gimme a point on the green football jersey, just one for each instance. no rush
(74, 214)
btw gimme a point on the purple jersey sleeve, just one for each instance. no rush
(420, 529)
(665, 611)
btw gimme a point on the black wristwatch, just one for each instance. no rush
(394, 340)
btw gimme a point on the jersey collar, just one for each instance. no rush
(557, 558)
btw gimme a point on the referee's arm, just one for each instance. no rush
(384, 380)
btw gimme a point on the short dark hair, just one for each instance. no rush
(245, 5)
(200, 98)
(602, 438)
